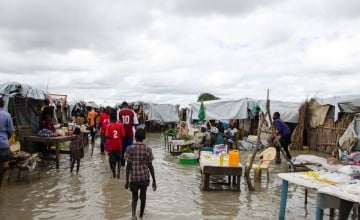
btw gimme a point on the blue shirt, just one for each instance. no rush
(6, 127)
(282, 128)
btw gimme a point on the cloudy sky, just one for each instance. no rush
(171, 51)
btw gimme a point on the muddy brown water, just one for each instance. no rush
(94, 194)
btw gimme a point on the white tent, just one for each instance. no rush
(242, 108)
(221, 110)
(163, 113)
(289, 111)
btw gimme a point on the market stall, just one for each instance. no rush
(51, 140)
(212, 164)
(327, 179)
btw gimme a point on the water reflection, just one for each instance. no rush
(221, 205)
(94, 194)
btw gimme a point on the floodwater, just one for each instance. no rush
(94, 194)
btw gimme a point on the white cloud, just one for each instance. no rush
(171, 51)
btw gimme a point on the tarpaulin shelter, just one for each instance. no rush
(241, 109)
(322, 121)
(289, 111)
(245, 110)
(162, 113)
(350, 140)
(11, 89)
(23, 102)
(221, 109)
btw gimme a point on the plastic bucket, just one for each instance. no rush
(234, 156)
(187, 160)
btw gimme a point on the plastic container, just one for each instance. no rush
(234, 156)
(221, 158)
(186, 160)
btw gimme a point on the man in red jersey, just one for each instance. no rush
(128, 118)
(103, 122)
(114, 134)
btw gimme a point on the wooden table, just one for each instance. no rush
(177, 145)
(56, 140)
(325, 192)
(210, 165)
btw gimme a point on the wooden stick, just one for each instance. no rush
(248, 168)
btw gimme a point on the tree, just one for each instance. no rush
(206, 97)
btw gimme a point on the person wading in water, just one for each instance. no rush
(139, 162)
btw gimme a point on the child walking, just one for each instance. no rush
(139, 162)
(76, 150)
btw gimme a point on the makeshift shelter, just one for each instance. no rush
(62, 110)
(157, 115)
(221, 109)
(246, 111)
(225, 110)
(163, 113)
(322, 121)
(23, 102)
(350, 140)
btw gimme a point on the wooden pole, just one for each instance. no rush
(248, 168)
(260, 125)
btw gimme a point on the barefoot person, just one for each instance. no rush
(139, 162)
(129, 119)
(282, 131)
(114, 134)
(76, 150)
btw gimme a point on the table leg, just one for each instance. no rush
(345, 209)
(319, 213)
(284, 192)
(57, 154)
(206, 181)
(238, 182)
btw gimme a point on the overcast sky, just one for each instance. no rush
(165, 51)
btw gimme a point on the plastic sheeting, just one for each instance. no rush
(349, 104)
(9, 89)
(222, 110)
(289, 111)
(14, 88)
(241, 109)
(164, 113)
(350, 140)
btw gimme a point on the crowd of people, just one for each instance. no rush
(214, 133)
(117, 134)
(117, 128)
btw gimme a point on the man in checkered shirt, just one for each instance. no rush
(139, 167)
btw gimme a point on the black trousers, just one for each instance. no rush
(284, 142)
